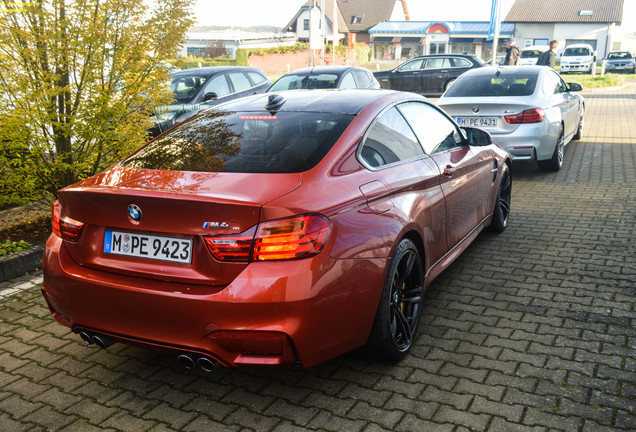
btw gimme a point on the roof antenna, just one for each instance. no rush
(274, 103)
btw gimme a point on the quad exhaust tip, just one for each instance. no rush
(97, 339)
(190, 361)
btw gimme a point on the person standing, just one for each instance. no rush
(548, 58)
(512, 53)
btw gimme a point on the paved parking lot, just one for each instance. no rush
(530, 330)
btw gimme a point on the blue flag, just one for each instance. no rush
(494, 20)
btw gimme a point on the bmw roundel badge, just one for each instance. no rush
(475, 109)
(134, 212)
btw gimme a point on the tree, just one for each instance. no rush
(217, 49)
(78, 80)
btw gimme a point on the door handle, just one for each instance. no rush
(449, 170)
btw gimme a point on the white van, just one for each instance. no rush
(578, 58)
(530, 55)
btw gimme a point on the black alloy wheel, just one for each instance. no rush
(501, 213)
(398, 313)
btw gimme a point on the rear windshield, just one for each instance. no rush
(186, 87)
(619, 55)
(493, 86)
(307, 82)
(245, 142)
(576, 52)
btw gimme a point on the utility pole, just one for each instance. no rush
(495, 39)
(311, 10)
(322, 32)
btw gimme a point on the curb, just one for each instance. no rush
(21, 262)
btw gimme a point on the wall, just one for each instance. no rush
(561, 32)
(282, 63)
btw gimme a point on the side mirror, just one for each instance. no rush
(477, 137)
(575, 87)
(210, 96)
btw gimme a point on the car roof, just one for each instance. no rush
(579, 45)
(534, 47)
(470, 56)
(323, 69)
(334, 101)
(213, 70)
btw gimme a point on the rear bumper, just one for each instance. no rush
(528, 142)
(276, 313)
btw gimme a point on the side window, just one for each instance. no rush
(218, 85)
(552, 84)
(362, 78)
(461, 63)
(412, 65)
(348, 82)
(256, 77)
(437, 63)
(434, 130)
(389, 140)
(239, 81)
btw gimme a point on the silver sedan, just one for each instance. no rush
(529, 110)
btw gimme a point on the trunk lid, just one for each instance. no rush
(174, 204)
(487, 107)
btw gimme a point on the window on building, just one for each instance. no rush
(540, 42)
(357, 19)
(306, 24)
(195, 52)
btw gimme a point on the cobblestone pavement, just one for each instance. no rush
(530, 330)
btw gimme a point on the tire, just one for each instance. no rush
(556, 161)
(501, 213)
(448, 84)
(395, 325)
(579, 130)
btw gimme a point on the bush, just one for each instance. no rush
(19, 181)
(9, 247)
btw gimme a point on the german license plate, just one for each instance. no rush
(148, 246)
(477, 121)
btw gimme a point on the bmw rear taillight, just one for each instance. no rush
(292, 238)
(231, 248)
(284, 239)
(65, 227)
(534, 115)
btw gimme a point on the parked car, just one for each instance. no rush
(530, 55)
(620, 61)
(428, 75)
(529, 110)
(578, 58)
(198, 89)
(278, 229)
(326, 77)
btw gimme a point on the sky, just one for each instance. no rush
(261, 12)
(278, 13)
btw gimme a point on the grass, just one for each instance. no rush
(607, 80)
